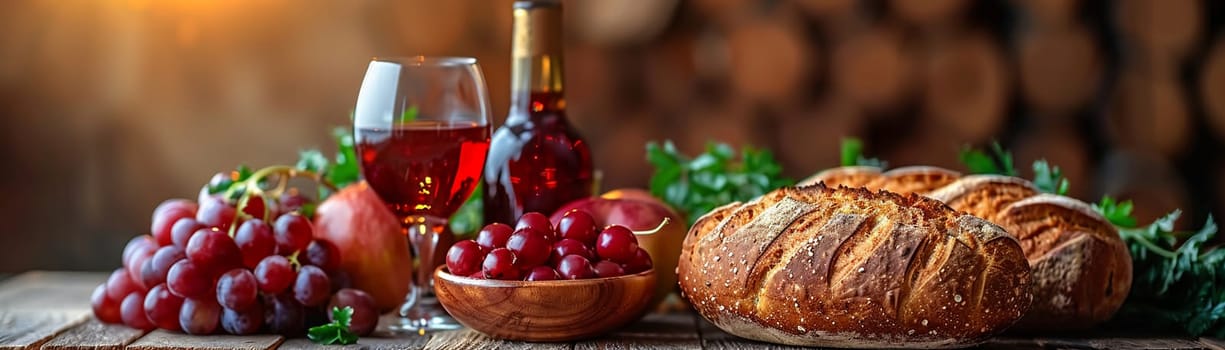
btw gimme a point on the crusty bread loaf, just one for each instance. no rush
(849, 176)
(846, 267)
(913, 179)
(1081, 268)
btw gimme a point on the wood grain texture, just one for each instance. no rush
(164, 340)
(714, 338)
(1120, 343)
(470, 339)
(364, 343)
(655, 331)
(94, 334)
(28, 329)
(36, 306)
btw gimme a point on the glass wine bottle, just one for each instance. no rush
(537, 161)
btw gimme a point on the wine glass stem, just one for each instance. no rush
(424, 235)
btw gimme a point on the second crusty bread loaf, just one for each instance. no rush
(819, 266)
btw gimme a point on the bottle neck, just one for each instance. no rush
(536, 53)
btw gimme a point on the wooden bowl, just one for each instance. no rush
(545, 311)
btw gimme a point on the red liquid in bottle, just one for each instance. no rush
(537, 162)
(423, 168)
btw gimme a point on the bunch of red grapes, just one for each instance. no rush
(536, 251)
(209, 266)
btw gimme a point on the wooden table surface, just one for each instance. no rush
(50, 310)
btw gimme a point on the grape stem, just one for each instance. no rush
(252, 186)
(654, 230)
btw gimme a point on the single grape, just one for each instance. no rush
(120, 284)
(578, 225)
(365, 314)
(616, 243)
(569, 246)
(606, 268)
(136, 263)
(138, 243)
(236, 289)
(641, 262)
(274, 274)
(255, 241)
(182, 230)
(292, 201)
(105, 308)
(220, 180)
(464, 258)
(216, 213)
(500, 264)
(188, 280)
(199, 316)
(494, 236)
(284, 315)
(214, 250)
(166, 214)
(155, 269)
(542, 273)
(162, 307)
(293, 232)
(312, 286)
(255, 206)
(575, 267)
(132, 311)
(242, 322)
(531, 248)
(323, 254)
(537, 222)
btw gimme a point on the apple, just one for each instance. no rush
(372, 249)
(639, 211)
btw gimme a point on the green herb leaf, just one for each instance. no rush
(1000, 163)
(468, 219)
(852, 154)
(409, 115)
(1118, 213)
(336, 332)
(1049, 179)
(1176, 284)
(711, 179)
(342, 171)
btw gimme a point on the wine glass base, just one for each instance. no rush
(421, 326)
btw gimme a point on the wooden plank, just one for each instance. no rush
(27, 329)
(94, 334)
(654, 331)
(35, 306)
(1011, 343)
(714, 338)
(1121, 343)
(164, 340)
(470, 339)
(381, 339)
(1213, 343)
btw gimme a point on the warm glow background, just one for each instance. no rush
(107, 107)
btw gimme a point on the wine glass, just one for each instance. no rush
(421, 127)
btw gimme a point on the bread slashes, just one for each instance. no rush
(820, 266)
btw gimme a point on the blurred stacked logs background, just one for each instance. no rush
(110, 106)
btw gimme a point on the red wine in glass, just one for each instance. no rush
(423, 168)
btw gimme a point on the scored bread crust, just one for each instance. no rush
(847, 267)
(1082, 269)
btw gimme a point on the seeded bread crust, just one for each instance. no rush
(849, 176)
(914, 179)
(847, 267)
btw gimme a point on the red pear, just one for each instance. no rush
(372, 249)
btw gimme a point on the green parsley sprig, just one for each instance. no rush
(852, 154)
(337, 332)
(1177, 282)
(697, 185)
(1047, 178)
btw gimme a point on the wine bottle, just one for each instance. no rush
(537, 161)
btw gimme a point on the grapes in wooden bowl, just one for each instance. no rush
(535, 282)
